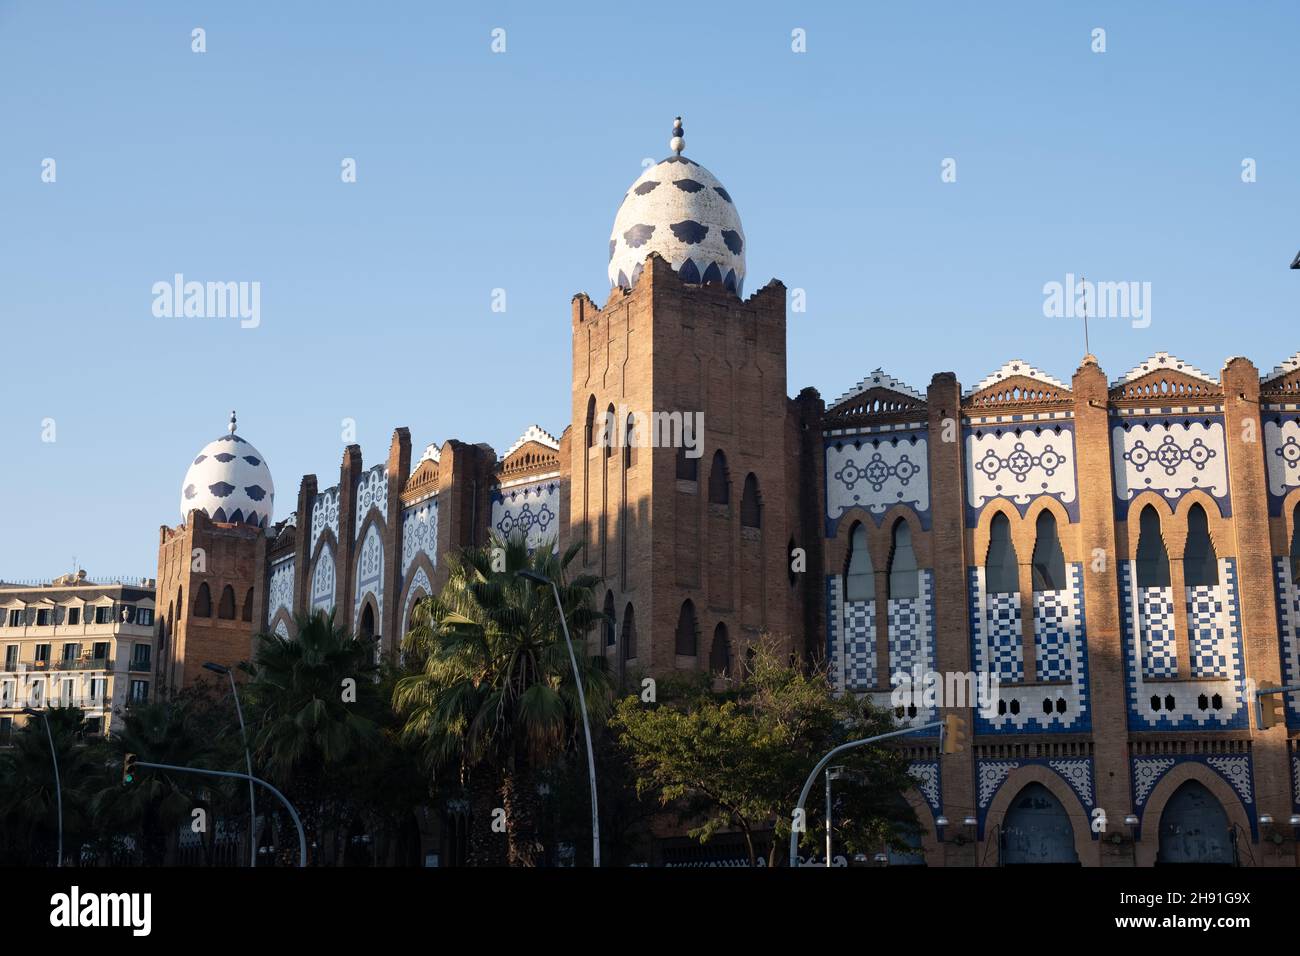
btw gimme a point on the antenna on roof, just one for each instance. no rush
(1087, 345)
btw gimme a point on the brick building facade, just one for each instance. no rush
(1121, 555)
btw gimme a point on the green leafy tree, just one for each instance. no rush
(492, 700)
(153, 807)
(314, 703)
(738, 763)
(28, 801)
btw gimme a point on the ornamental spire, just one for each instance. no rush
(232, 421)
(678, 142)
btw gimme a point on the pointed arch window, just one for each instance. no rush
(903, 572)
(1001, 568)
(629, 633)
(610, 431)
(247, 613)
(203, 601)
(629, 442)
(608, 624)
(720, 654)
(719, 484)
(686, 641)
(1152, 557)
(226, 609)
(751, 510)
(859, 575)
(590, 428)
(1049, 559)
(1200, 562)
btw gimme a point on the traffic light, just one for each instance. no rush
(128, 769)
(1270, 710)
(952, 736)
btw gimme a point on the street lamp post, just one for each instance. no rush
(831, 774)
(297, 821)
(582, 703)
(58, 786)
(797, 816)
(248, 758)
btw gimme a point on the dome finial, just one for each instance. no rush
(678, 142)
(232, 421)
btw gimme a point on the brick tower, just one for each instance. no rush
(684, 483)
(211, 580)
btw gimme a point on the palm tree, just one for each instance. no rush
(159, 802)
(313, 700)
(494, 700)
(28, 802)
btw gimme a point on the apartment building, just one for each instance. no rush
(75, 642)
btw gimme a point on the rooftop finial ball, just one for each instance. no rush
(676, 144)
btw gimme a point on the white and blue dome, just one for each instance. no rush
(229, 480)
(679, 210)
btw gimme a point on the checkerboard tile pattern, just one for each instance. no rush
(905, 635)
(859, 645)
(1214, 702)
(1060, 636)
(1207, 636)
(1004, 637)
(1159, 644)
(1288, 615)
(1052, 635)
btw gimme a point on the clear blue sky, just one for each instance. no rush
(480, 171)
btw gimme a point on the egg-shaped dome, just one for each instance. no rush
(230, 481)
(679, 210)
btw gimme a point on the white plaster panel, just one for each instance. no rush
(1171, 458)
(324, 515)
(372, 490)
(1020, 467)
(419, 534)
(878, 474)
(1282, 455)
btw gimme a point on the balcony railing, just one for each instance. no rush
(80, 664)
(84, 701)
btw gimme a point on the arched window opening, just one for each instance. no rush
(1001, 567)
(903, 573)
(367, 627)
(608, 624)
(589, 432)
(610, 431)
(1152, 557)
(203, 601)
(719, 484)
(720, 654)
(247, 613)
(1200, 563)
(1049, 559)
(1037, 830)
(629, 633)
(688, 468)
(686, 641)
(751, 512)
(226, 609)
(859, 576)
(1194, 828)
(629, 443)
